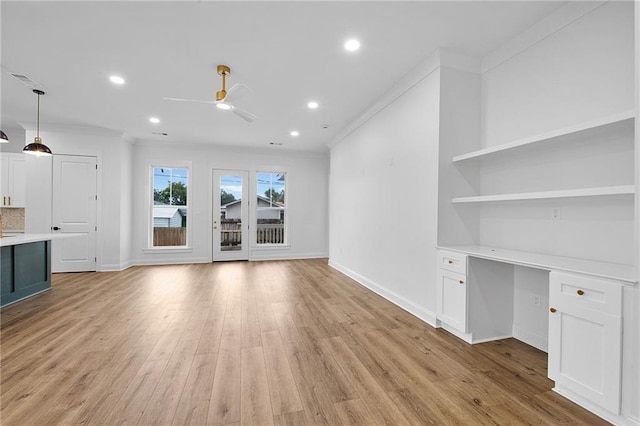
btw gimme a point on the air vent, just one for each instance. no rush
(26, 80)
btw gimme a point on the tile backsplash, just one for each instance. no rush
(12, 219)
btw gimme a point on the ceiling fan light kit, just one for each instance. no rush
(37, 147)
(224, 97)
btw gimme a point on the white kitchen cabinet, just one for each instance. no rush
(585, 337)
(13, 176)
(452, 297)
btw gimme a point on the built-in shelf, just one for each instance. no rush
(627, 116)
(615, 271)
(544, 195)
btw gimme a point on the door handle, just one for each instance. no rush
(55, 228)
(9, 197)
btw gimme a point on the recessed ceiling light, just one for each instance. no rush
(154, 120)
(224, 106)
(116, 79)
(312, 105)
(294, 133)
(352, 45)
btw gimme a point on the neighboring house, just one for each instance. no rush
(266, 209)
(168, 217)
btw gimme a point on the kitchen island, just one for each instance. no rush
(25, 265)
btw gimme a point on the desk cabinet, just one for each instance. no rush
(452, 290)
(585, 337)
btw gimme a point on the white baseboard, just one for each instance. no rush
(415, 310)
(281, 256)
(535, 340)
(613, 418)
(143, 262)
(116, 267)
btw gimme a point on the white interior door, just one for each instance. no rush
(74, 211)
(230, 222)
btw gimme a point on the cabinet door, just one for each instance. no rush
(17, 180)
(452, 299)
(4, 181)
(585, 337)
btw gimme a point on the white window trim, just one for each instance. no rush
(169, 164)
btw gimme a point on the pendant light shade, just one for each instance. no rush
(3, 137)
(37, 147)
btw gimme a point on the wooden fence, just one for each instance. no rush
(169, 237)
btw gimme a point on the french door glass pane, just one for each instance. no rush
(230, 212)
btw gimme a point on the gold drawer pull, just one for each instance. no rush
(451, 262)
(461, 282)
(580, 293)
(553, 310)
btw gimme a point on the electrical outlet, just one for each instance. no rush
(555, 213)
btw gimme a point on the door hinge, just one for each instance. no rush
(96, 228)
(96, 198)
(96, 167)
(95, 259)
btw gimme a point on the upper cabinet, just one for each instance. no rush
(13, 177)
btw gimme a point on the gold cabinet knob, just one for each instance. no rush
(553, 310)
(450, 262)
(461, 282)
(580, 292)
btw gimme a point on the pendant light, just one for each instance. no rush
(3, 137)
(37, 147)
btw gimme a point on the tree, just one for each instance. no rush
(175, 194)
(226, 197)
(274, 195)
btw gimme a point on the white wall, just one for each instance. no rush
(108, 148)
(307, 186)
(383, 198)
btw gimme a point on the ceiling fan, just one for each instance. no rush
(224, 97)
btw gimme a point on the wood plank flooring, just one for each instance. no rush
(281, 342)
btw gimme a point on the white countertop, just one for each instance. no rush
(625, 273)
(12, 240)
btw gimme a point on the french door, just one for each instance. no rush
(74, 211)
(230, 215)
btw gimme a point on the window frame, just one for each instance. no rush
(150, 200)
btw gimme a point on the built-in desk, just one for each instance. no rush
(579, 315)
(614, 271)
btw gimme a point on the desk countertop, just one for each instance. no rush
(625, 273)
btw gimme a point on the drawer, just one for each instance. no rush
(584, 292)
(450, 261)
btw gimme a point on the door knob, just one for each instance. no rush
(580, 292)
(55, 228)
(553, 310)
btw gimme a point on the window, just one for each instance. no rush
(271, 208)
(170, 206)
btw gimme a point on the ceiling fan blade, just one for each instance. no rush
(236, 92)
(190, 100)
(245, 115)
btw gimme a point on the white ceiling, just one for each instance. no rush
(287, 52)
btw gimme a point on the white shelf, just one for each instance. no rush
(613, 119)
(545, 195)
(615, 271)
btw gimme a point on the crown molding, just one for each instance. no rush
(551, 24)
(438, 58)
(64, 128)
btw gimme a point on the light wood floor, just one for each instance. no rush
(284, 342)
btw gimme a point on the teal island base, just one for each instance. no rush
(25, 269)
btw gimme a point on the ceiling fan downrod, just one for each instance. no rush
(223, 71)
